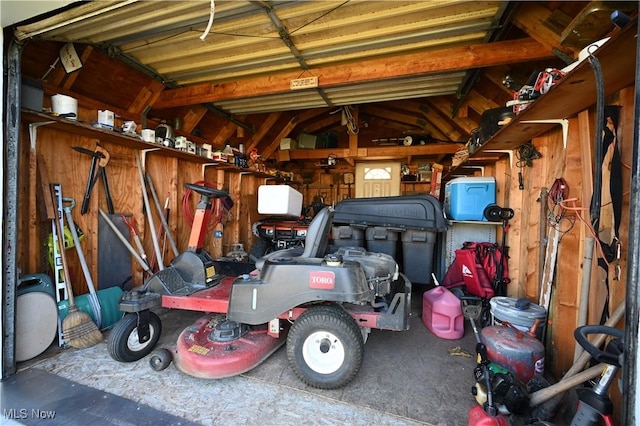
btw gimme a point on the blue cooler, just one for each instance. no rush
(466, 198)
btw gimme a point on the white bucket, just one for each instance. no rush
(63, 104)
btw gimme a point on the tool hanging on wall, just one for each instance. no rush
(67, 205)
(607, 169)
(557, 216)
(100, 158)
(161, 234)
(78, 328)
(131, 224)
(163, 217)
(526, 153)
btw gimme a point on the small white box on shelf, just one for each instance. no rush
(280, 200)
(288, 143)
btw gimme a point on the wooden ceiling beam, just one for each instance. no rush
(193, 117)
(264, 128)
(329, 122)
(146, 96)
(224, 134)
(542, 25)
(397, 152)
(445, 124)
(479, 103)
(445, 107)
(458, 58)
(496, 75)
(270, 148)
(407, 118)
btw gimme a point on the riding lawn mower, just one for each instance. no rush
(320, 302)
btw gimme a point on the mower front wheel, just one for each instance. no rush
(124, 344)
(325, 347)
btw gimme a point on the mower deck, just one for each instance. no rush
(198, 354)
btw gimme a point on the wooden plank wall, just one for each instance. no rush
(574, 165)
(71, 169)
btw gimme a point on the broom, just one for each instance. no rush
(78, 328)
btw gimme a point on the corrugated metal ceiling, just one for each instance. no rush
(256, 38)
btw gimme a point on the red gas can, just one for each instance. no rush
(515, 350)
(478, 417)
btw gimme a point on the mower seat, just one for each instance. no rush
(316, 242)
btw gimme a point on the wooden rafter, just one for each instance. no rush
(458, 58)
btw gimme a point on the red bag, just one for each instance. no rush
(480, 268)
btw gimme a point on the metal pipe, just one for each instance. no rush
(10, 211)
(630, 379)
(94, 301)
(152, 226)
(124, 241)
(583, 306)
(167, 231)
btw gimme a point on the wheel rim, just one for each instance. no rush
(323, 352)
(133, 342)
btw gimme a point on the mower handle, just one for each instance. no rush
(205, 190)
(599, 355)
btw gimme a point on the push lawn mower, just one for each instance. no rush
(322, 303)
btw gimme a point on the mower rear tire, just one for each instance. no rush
(125, 346)
(160, 359)
(260, 249)
(325, 347)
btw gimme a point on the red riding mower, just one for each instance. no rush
(321, 304)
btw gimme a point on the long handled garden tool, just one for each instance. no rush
(78, 328)
(488, 413)
(67, 205)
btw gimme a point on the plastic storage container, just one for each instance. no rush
(417, 255)
(466, 198)
(348, 236)
(280, 200)
(32, 94)
(442, 313)
(520, 313)
(382, 240)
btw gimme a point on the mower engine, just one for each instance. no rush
(380, 269)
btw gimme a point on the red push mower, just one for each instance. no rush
(322, 304)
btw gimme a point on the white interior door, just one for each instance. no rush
(377, 179)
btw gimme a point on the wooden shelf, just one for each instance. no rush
(574, 93)
(110, 136)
